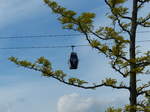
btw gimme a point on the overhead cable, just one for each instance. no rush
(51, 35)
(46, 47)
(41, 47)
(38, 36)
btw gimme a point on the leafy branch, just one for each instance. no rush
(44, 66)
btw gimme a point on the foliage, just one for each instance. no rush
(111, 109)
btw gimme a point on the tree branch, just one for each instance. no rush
(117, 17)
(143, 64)
(124, 17)
(91, 87)
(141, 91)
(142, 2)
(99, 36)
(144, 25)
(119, 70)
(77, 85)
(43, 65)
(146, 92)
(144, 21)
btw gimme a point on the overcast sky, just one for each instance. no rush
(23, 90)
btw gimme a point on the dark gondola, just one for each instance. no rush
(73, 60)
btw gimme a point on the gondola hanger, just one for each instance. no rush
(73, 61)
(72, 48)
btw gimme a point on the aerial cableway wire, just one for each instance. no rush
(51, 36)
(41, 47)
(39, 36)
(46, 47)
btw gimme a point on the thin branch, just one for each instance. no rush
(119, 70)
(117, 17)
(145, 21)
(141, 91)
(119, 22)
(141, 3)
(77, 85)
(91, 87)
(144, 25)
(146, 92)
(124, 17)
(100, 36)
(143, 64)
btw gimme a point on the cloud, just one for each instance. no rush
(76, 103)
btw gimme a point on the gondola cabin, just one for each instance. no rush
(73, 60)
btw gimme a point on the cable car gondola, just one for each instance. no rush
(73, 61)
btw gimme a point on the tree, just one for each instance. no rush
(122, 54)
